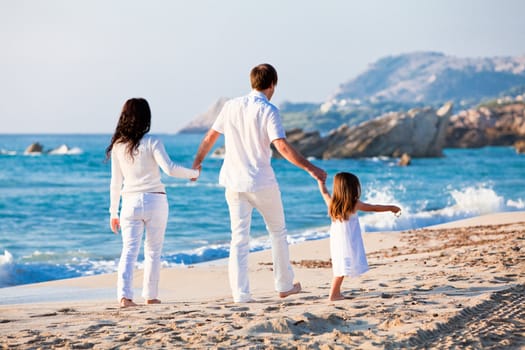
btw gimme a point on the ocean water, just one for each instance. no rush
(54, 220)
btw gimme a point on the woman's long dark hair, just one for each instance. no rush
(133, 124)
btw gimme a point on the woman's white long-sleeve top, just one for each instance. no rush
(141, 173)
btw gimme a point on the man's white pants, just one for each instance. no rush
(268, 202)
(149, 212)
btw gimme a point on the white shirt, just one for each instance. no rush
(249, 123)
(141, 174)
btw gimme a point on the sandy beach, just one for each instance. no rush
(459, 285)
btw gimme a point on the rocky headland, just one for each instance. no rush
(420, 132)
(498, 125)
(403, 105)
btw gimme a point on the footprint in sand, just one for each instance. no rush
(239, 308)
(456, 278)
(500, 279)
(391, 322)
(272, 308)
(101, 324)
(49, 314)
(213, 307)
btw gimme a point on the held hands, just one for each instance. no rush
(318, 174)
(115, 225)
(196, 167)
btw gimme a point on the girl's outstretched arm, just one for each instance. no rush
(377, 207)
(324, 192)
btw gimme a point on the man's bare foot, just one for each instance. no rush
(152, 301)
(336, 297)
(124, 302)
(296, 289)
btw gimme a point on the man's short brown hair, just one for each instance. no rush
(263, 76)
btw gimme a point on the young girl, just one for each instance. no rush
(135, 161)
(346, 244)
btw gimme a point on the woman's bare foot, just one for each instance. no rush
(296, 289)
(152, 301)
(124, 302)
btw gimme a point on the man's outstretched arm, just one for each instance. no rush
(290, 154)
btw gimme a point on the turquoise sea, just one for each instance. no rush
(54, 220)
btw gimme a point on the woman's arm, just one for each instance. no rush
(114, 193)
(172, 169)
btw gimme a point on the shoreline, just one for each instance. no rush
(451, 285)
(82, 288)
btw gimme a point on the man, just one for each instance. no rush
(250, 125)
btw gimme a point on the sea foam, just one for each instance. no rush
(464, 203)
(6, 267)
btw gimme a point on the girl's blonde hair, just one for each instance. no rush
(345, 194)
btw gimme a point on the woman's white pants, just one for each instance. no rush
(141, 212)
(269, 204)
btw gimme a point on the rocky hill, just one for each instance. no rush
(413, 80)
(204, 121)
(398, 84)
(434, 78)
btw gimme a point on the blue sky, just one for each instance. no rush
(68, 66)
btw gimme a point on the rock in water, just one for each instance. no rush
(404, 160)
(520, 146)
(34, 148)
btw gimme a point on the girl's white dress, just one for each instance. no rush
(347, 248)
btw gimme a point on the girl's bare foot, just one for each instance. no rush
(152, 301)
(124, 302)
(295, 289)
(336, 297)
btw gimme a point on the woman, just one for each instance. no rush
(135, 176)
